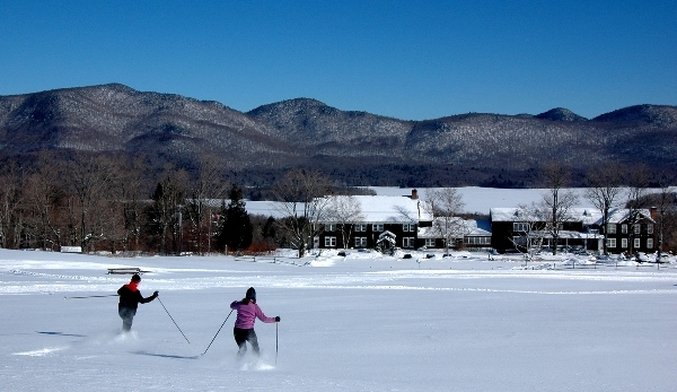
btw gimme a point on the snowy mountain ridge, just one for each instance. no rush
(354, 147)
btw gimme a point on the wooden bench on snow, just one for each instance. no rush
(126, 271)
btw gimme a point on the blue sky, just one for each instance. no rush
(405, 59)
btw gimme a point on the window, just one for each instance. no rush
(624, 243)
(649, 228)
(360, 242)
(520, 227)
(478, 240)
(635, 243)
(611, 228)
(429, 242)
(649, 243)
(637, 228)
(610, 242)
(360, 228)
(624, 229)
(330, 242)
(409, 228)
(408, 242)
(519, 240)
(378, 227)
(330, 227)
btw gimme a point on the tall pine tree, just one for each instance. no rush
(236, 228)
(163, 216)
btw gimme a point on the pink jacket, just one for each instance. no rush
(247, 314)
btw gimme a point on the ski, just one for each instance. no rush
(89, 296)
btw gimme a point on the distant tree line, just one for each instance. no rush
(105, 203)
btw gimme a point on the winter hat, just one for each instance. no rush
(136, 278)
(251, 294)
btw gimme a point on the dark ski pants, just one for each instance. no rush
(127, 316)
(242, 336)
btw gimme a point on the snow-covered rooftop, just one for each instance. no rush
(588, 216)
(393, 209)
(618, 215)
(458, 228)
(390, 209)
(373, 209)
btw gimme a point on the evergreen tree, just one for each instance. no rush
(236, 227)
(164, 216)
(268, 231)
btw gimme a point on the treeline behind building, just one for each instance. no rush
(108, 203)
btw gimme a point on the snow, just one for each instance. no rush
(476, 200)
(390, 209)
(481, 199)
(363, 322)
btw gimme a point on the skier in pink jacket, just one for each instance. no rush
(247, 313)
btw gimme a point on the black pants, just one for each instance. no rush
(127, 316)
(242, 336)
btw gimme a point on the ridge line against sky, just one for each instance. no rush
(402, 59)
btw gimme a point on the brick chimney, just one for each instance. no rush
(414, 194)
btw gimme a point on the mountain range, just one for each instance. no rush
(355, 148)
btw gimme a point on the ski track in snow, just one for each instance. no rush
(502, 291)
(553, 341)
(86, 276)
(41, 352)
(47, 283)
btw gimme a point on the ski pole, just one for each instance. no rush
(217, 332)
(172, 318)
(90, 296)
(276, 340)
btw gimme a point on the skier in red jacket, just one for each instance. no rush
(247, 313)
(130, 298)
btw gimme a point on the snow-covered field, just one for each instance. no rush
(360, 323)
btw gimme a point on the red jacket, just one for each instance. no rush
(131, 299)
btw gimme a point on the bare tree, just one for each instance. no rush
(664, 208)
(528, 229)
(303, 203)
(11, 181)
(109, 223)
(446, 204)
(604, 192)
(41, 203)
(669, 225)
(208, 185)
(90, 184)
(345, 211)
(558, 202)
(638, 178)
(118, 221)
(133, 198)
(165, 215)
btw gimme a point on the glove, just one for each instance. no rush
(277, 319)
(155, 293)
